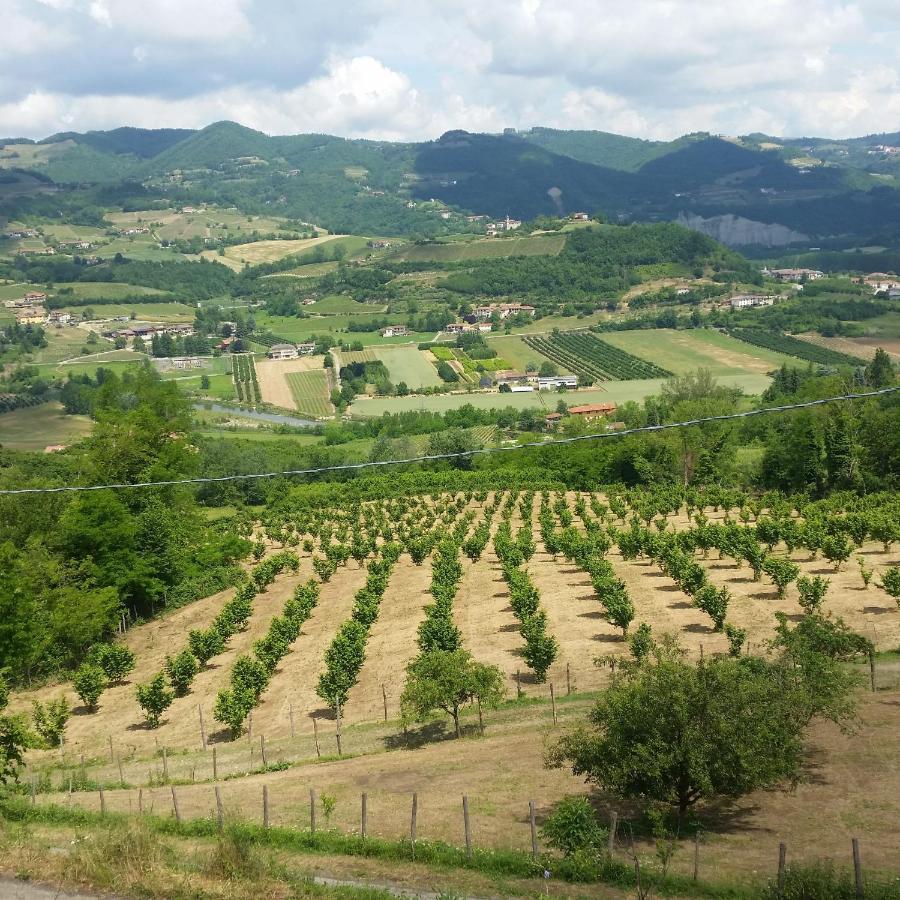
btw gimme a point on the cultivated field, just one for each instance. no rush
(405, 363)
(864, 347)
(291, 724)
(106, 290)
(311, 391)
(273, 378)
(267, 251)
(487, 248)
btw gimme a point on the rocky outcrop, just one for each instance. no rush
(736, 231)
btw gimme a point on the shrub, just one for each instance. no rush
(572, 827)
(50, 720)
(890, 582)
(205, 644)
(154, 698)
(181, 670)
(781, 571)
(812, 592)
(89, 683)
(116, 660)
(641, 642)
(714, 602)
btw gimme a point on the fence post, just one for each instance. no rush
(872, 669)
(312, 811)
(316, 736)
(568, 681)
(337, 734)
(696, 855)
(412, 821)
(250, 725)
(265, 806)
(121, 773)
(613, 823)
(857, 868)
(364, 814)
(384, 697)
(83, 772)
(33, 791)
(518, 685)
(165, 754)
(262, 748)
(140, 801)
(782, 859)
(220, 813)
(291, 717)
(202, 726)
(534, 843)
(480, 718)
(175, 805)
(466, 827)
(215, 766)
(112, 756)
(553, 702)
(102, 802)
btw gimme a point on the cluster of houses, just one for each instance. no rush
(793, 275)
(504, 310)
(507, 224)
(29, 310)
(589, 412)
(883, 283)
(147, 332)
(20, 233)
(131, 230)
(746, 301)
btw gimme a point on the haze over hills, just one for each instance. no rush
(754, 190)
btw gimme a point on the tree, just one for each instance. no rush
(181, 670)
(890, 582)
(205, 644)
(445, 680)
(880, 371)
(812, 592)
(154, 698)
(675, 732)
(89, 683)
(781, 571)
(50, 720)
(548, 369)
(116, 661)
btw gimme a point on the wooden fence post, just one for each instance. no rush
(857, 868)
(121, 773)
(384, 697)
(215, 766)
(102, 802)
(262, 749)
(316, 736)
(265, 806)
(696, 855)
(534, 844)
(220, 812)
(872, 670)
(412, 821)
(466, 827)
(518, 685)
(480, 718)
(568, 681)
(312, 811)
(83, 772)
(364, 814)
(165, 755)
(202, 726)
(553, 702)
(33, 791)
(140, 801)
(291, 717)
(613, 823)
(175, 805)
(337, 733)
(250, 725)
(782, 859)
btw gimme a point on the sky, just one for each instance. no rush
(412, 69)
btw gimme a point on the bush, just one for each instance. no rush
(205, 644)
(50, 720)
(572, 827)
(154, 698)
(181, 670)
(89, 683)
(812, 592)
(116, 660)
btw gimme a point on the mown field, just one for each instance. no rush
(486, 248)
(405, 363)
(295, 329)
(291, 745)
(106, 290)
(39, 426)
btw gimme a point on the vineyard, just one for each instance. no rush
(310, 392)
(784, 343)
(593, 359)
(350, 596)
(246, 385)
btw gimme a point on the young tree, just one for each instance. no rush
(205, 644)
(890, 582)
(714, 602)
(181, 670)
(677, 733)
(50, 720)
(89, 683)
(641, 642)
(447, 680)
(116, 660)
(836, 549)
(812, 592)
(154, 698)
(781, 571)
(573, 828)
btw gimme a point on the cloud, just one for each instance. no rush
(389, 69)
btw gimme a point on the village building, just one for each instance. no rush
(580, 217)
(592, 411)
(551, 382)
(35, 251)
(282, 351)
(59, 318)
(306, 348)
(745, 301)
(378, 245)
(795, 275)
(187, 362)
(394, 331)
(504, 310)
(882, 281)
(30, 315)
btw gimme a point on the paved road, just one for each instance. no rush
(13, 889)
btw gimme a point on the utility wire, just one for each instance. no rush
(644, 429)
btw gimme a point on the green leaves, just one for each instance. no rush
(154, 698)
(89, 683)
(181, 670)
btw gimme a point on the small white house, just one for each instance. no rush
(394, 331)
(282, 351)
(550, 383)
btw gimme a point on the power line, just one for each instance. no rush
(432, 457)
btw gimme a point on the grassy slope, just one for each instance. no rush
(35, 428)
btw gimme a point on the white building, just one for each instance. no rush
(394, 331)
(745, 301)
(282, 351)
(550, 383)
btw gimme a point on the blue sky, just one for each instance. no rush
(411, 70)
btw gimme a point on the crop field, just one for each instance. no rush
(340, 303)
(311, 392)
(39, 426)
(246, 384)
(487, 248)
(496, 559)
(294, 329)
(276, 388)
(268, 251)
(520, 355)
(584, 354)
(784, 343)
(14, 290)
(106, 290)
(686, 351)
(405, 363)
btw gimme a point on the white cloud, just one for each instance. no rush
(386, 68)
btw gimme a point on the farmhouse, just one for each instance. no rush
(394, 331)
(744, 301)
(35, 251)
(30, 315)
(882, 281)
(59, 318)
(282, 351)
(306, 348)
(504, 310)
(378, 245)
(592, 410)
(795, 274)
(187, 362)
(550, 383)
(135, 229)
(76, 245)
(521, 389)
(580, 217)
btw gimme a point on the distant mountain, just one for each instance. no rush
(765, 190)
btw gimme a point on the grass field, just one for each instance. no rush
(90, 365)
(403, 363)
(16, 290)
(39, 426)
(310, 391)
(519, 355)
(301, 329)
(258, 252)
(615, 392)
(164, 311)
(686, 351)
(487, 248)
(342, 304)
(104, 290)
